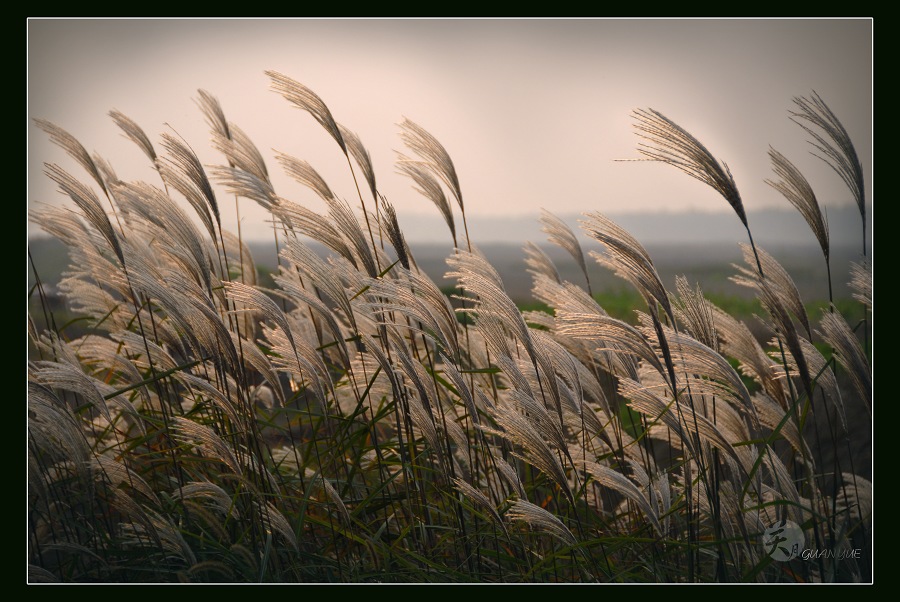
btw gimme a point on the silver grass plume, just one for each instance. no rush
(359, 152)
(250, 186)
(561, 235)
(115, 473)
(53, 427)
(836, 332)
(480, 500)
(202, 436)
(430, 188)
(165, 534)
(823, 375)
(68, 143)
(183, 171)
(477, 276)
(321, 275)
(71, 378)
(332, 493)
(417, 296)
(258, 360)
(291, 290)
(627, 258)
(395, 234)
(509, 475)
(609, 334)
(860, 491)
(314, 225)
(796, 189)
(738, 342)
(237, 249)
(645, 400)
(134, 133)
(434, 156)
(347, 224)
(861, 281)
(537, 517)
(832, 144)
(771, 415)
(539, 263)
(231, 140)
(696, 313)
(307, 100)
(303, 172)
(773, 301)
(158, 209)
(211, 493)
(529, 444)
(703, 364)
(299, 358)
(670, 143)
(776, 279)
(90, 206)
(214, 114)
(615, 480)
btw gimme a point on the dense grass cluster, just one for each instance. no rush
(357, 424)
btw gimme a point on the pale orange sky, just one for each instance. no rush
(534, 113)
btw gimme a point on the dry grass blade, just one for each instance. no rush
(309, 101)
(833, 143)
(670, 143)
(799, 193)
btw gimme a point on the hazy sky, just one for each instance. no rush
(534, 113)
